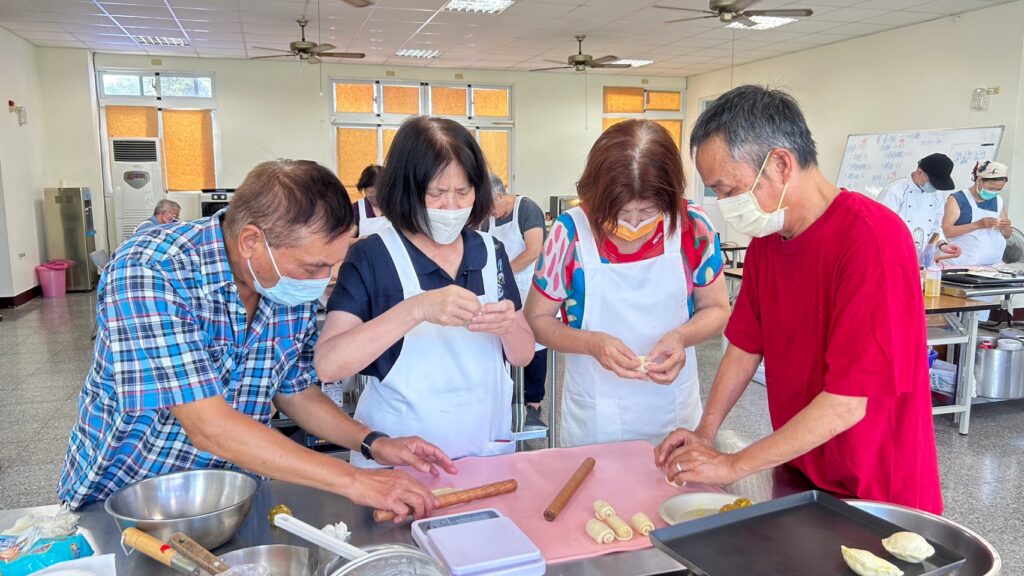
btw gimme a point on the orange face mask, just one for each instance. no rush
(630, 233)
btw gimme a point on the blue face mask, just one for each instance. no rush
(928, 188)
(987, 194)
(289, 291)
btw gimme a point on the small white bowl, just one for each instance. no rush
(693, 505)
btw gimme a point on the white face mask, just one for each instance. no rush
(446, 225)
(744, 214)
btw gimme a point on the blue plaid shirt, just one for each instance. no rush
(172, 330)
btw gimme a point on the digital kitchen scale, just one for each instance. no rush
(481, 542)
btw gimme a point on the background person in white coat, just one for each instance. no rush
(977, 218)
(428, 306)
(636, 272)
(920, 199)
(519, 223)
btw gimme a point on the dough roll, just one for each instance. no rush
(622, 530)
(642, 523)
(603, 510)
(600, 532)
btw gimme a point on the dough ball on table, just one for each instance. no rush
(622, 530)
(908, 546)
(642, 523)
(603, 510)
(600, 532)
(867, 564)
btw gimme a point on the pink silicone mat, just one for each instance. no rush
(624, 475)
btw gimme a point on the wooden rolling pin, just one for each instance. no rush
(570, 488)
(158, 550)
(459, 497)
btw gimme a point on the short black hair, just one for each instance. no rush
(287, 199)
(368, 178)
(753, 120)
(422, 148)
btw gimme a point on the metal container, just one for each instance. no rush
(982, 558)
(384, 560)
(999, 373)
(282, 559)
(208, 505)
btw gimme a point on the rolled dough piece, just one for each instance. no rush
(867, 564)
(603, 510)
(600, 532)
(622, 530)
(643, 364)
(642, 523)
(909, 547)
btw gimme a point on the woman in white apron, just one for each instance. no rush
(976, 218)
(419, 306)
(523, 247)
(630, 366)
(369, 219)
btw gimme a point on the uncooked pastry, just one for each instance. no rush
(600, 532)
(867, 564)
(603, 510)
(622, 530)
(642, 523)
(908, 546)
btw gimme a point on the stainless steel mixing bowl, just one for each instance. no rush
(282, 559)
(208, 505)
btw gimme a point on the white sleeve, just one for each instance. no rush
(892, 196)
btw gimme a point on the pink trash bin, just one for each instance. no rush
(53, 277)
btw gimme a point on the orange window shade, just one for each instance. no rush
(447, 101)
(389, 137)
(188, 149)
(401, 99)
(675, 128)
(490, 102)
(131, 122)
(623, 100)
(495, 144)
(356, 98)
(666, 101)
(609, 122)
(357, 149)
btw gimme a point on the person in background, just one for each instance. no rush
(368, 217)
(165, 212)
(428, 306)
(205, 328)
(977, 219)
(636, 272)
(919, 200)
(831, 300)
(518, 222)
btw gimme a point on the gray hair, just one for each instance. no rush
(752, 120)
(497, 186)
(165, 206)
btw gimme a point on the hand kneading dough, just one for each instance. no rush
(600, 532)
(643, 364)
(867, 564)
(642, 523)
(603, 510)
(622, 530)
(908, 546)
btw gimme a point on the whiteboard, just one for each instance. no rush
(872, 161)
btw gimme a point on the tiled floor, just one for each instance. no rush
(45, 352)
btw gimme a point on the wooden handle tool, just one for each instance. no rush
(570, 488)
(459, 497)
(158, 550)
(195, 552)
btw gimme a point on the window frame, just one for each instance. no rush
(648, 114)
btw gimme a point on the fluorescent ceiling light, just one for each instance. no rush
(162, 41)
(479, 6)
(634, 63)
(418, 53)
(763, 23)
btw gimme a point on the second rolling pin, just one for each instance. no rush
(569, 489)
(460, 497)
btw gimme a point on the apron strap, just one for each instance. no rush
(490, 271)
(362, 209)
(403, 263)
(585, 238)
(515, 214)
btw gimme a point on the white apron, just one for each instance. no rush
(449, 386)
(637, 302)
(980, 247)
(512, 237)
(369, 225)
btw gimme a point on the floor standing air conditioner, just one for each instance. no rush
(137, 176)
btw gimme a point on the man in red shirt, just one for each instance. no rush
(831, 299)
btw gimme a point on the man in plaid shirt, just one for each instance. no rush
(205, 327)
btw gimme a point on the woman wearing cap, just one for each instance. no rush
(427, 306)
(976, 217)
(636, 271)
(918, 199)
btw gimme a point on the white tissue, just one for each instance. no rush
(62, 524)
(339, 531)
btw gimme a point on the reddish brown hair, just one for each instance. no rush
(632, 160)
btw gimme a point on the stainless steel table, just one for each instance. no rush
(319, 508)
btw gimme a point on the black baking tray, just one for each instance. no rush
(796, 535)
(967, 279)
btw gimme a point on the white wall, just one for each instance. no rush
(918, 77)
(21, 167)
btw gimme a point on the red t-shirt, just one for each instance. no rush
(839, 309)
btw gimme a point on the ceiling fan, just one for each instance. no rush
(581, 61)
(306, 50)
(729, 11)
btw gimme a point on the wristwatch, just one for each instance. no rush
(364, 447)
